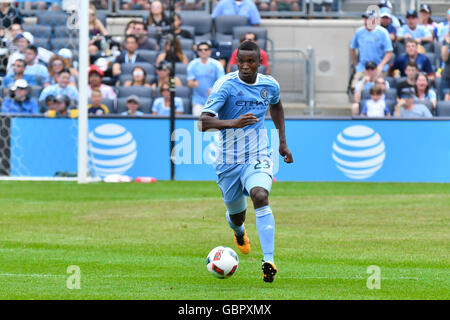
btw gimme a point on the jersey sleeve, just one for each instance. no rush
(276, 93)
(217, 97)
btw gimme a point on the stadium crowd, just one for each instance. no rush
(401, 64)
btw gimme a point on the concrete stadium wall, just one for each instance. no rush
(330, 39)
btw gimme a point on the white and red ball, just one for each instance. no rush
(222, 262)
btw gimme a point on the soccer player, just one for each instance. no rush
(237, 106)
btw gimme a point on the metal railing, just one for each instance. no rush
(306, 60)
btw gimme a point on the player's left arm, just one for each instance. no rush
(277, 114)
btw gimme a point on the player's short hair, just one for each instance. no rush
(131, 36)
(33, 48)
(249, 46)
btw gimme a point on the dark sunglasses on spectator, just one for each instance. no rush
(406, 96)
(203, 49)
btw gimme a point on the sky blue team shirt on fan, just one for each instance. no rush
(245, 8)
(420, 31)
(229, 99)
(206, 74)
(372, 46)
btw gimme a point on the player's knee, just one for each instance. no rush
(260, 197)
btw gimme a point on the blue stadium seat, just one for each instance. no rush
(42, 42)
(64, 32)
(149, 55)
(443, 108)
(224, 26)
(141, 91)
(38, 30)
(202, 23)
(52, 18)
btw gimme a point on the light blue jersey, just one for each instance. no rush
(372, 45)
(206, 74)
(229, 99)
(420, 31)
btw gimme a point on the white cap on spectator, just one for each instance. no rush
(65, 53)
(19, 83)
(28, 36)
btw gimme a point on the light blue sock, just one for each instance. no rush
(238, 230)
(265, 224)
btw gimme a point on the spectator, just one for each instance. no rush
(34, 68)
(411, 72)
(182, 33)
(141, 33)
(97, 30)
(406, 108)
(19, 100)
(234, 7)
(129, 29)
(55, 66)
(202, 73)
(157, 16)
(14, 31)
(167, 54)
(423, 90)
(413, 30)
(139, 78)
(9, 15)
(366, 83)
(387, 4)
(63, 87)
(95, 83)
(189, 5)
(163, 75)
(412, 54)
(135, 5)
(58, 106)
(443, 28)
(250, 36)
(18, 73)
(22, 41)
(284, 5)
(262, 5)
(161, 105)
(133, 104)
(425, 18)
(96, 107)
(66, 55)
(386, 22)
(375, 107)
(128, 56)
(374, 44)
(445, 78)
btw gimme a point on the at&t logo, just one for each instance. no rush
(358, 152)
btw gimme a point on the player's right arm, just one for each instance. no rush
(208, 121)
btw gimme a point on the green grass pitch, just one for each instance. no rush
(150, 241)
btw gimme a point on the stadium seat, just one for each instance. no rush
(186, 44)
(64, 32)
(51, 18)
(183, 78)
(149, 55)
(224, 26)
(35, 91)
(432, 57)
(128, 67)
(427, 103)
(190, 29)
(202, 23)
(140, 91)
(180, 68)
(59, 43)
(443, 109)
(261, 34)
(37, 30)
(42, 42)
(125, 77)
(146, 105)
(392, 82)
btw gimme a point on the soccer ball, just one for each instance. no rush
(222, 262)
